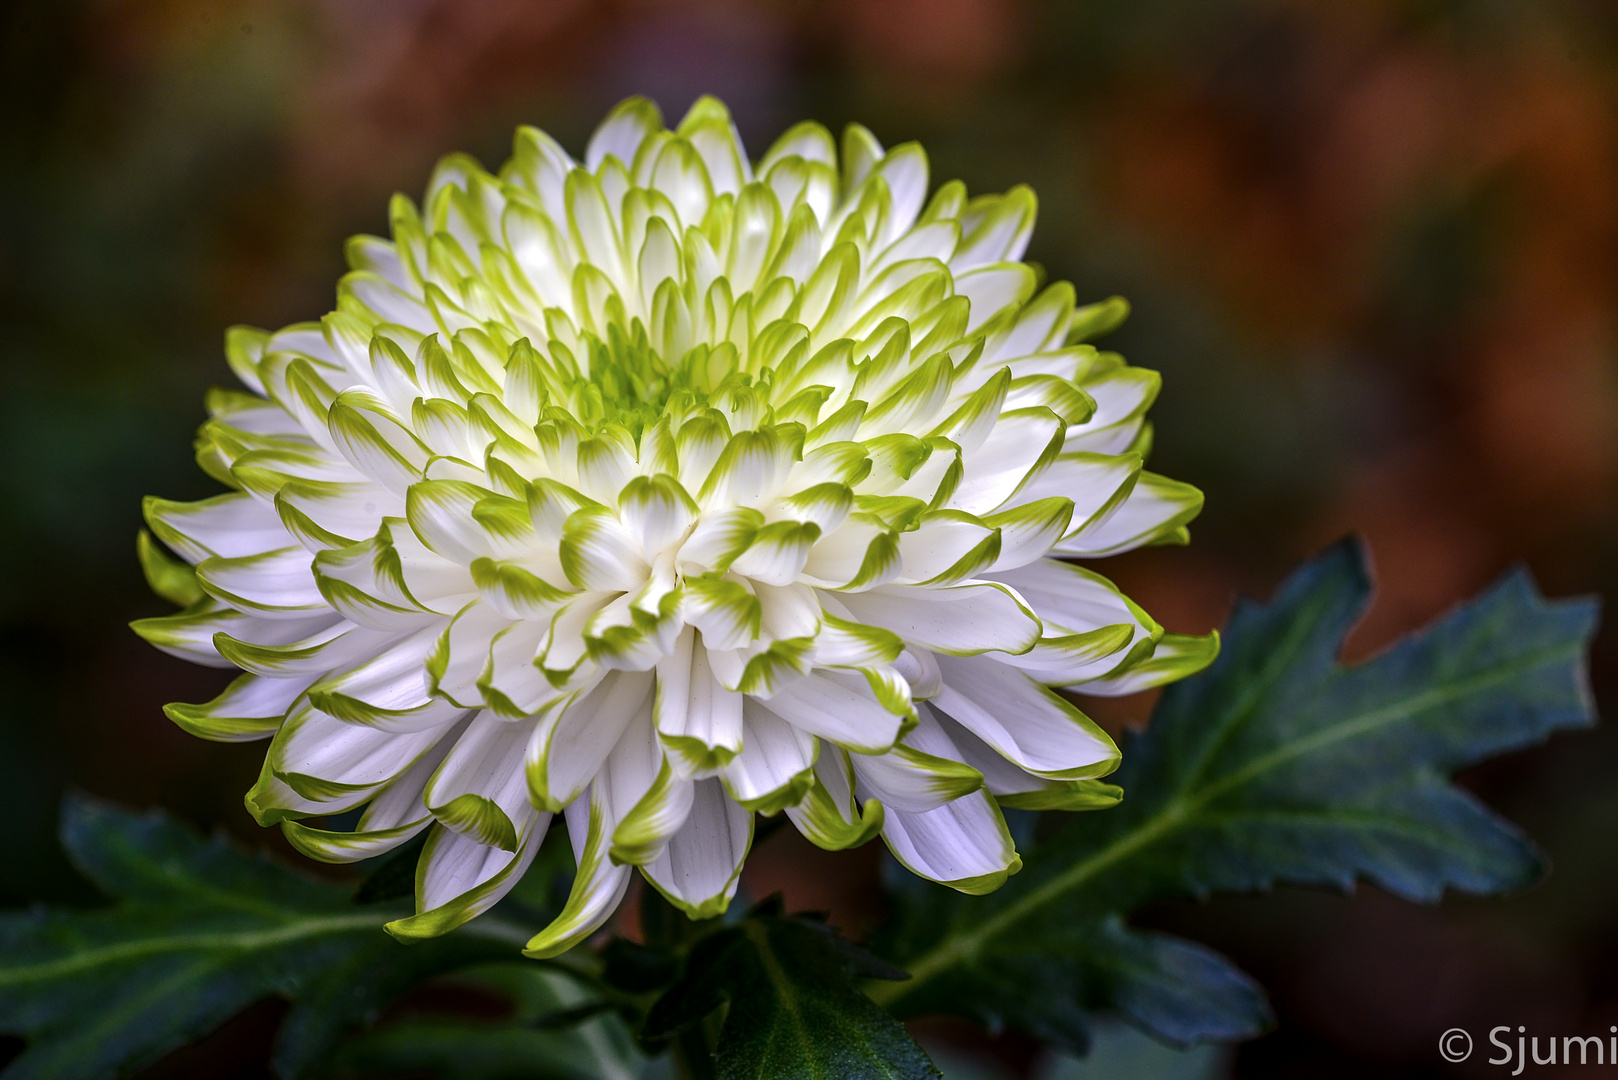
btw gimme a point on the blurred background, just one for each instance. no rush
(1371, 244)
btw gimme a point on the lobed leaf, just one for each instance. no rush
(1277, 765)
(796, 1009)
(199, 931)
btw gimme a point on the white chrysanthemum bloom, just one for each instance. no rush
(662, 490)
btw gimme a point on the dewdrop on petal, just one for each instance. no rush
(660, 490)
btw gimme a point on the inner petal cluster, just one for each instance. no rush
(663, 489)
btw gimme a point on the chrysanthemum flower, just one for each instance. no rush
(662, 490)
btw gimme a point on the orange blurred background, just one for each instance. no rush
(1371, 244)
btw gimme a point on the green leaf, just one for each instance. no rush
(796, 1010)
(392, 876)
(1277, 765)
(199, 931)
(524, 1045)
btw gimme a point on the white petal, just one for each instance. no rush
(1174, 657)
(830, 817)
(598, 886)
(1018, 447)
(750, 471)
(376, 443)
(393, 817)
(365, 584)
(189, 634)
(332, 647)
(807, 140)
(1072, 600)
(657, 514)
(1066, 660)
(272, 800)
(1040, 325)
(717, 539)
(858, 554)
(995, 229)
(919, 668)
(571, 744)
(960, 619)
(1155, 508)
(440, 514)
(231, 526)
(1095, 482)
(315, 752)
(512, 683)
(941, 547)
(436, 583)
(276, 584)
(649, 800)
(778, 552)
(701, 865)
(563, 651)
(389, 691)
(963, 844)
(459, 864)
(622, 132)
(1122, 395)
(1023, 720)
(250, 708)
(904, 169)
(922, 773)
(699, 720)
(458, 658)
(787, 611)
(775, 765)
(486, 764)
(599, 553)
(1000, 776)
(993, 289)
(838, 706)
(401, 802)
(459, 878)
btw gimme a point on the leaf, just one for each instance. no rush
(522, 1046)
(392, 876)
(796, 1010)
(200, 930)
(1277, 765)
(464, 1050)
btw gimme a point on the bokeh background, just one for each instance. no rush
(1371, 244)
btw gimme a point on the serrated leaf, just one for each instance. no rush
(796, 1010)
(1277, 765)
(199, 931)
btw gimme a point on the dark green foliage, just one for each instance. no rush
(796, 1010)
(463, 1050)
(638, 969)
(392, 876)
(200, 930)
(1278, 765)
(526, 1045)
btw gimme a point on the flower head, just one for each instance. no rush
(661, 490)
